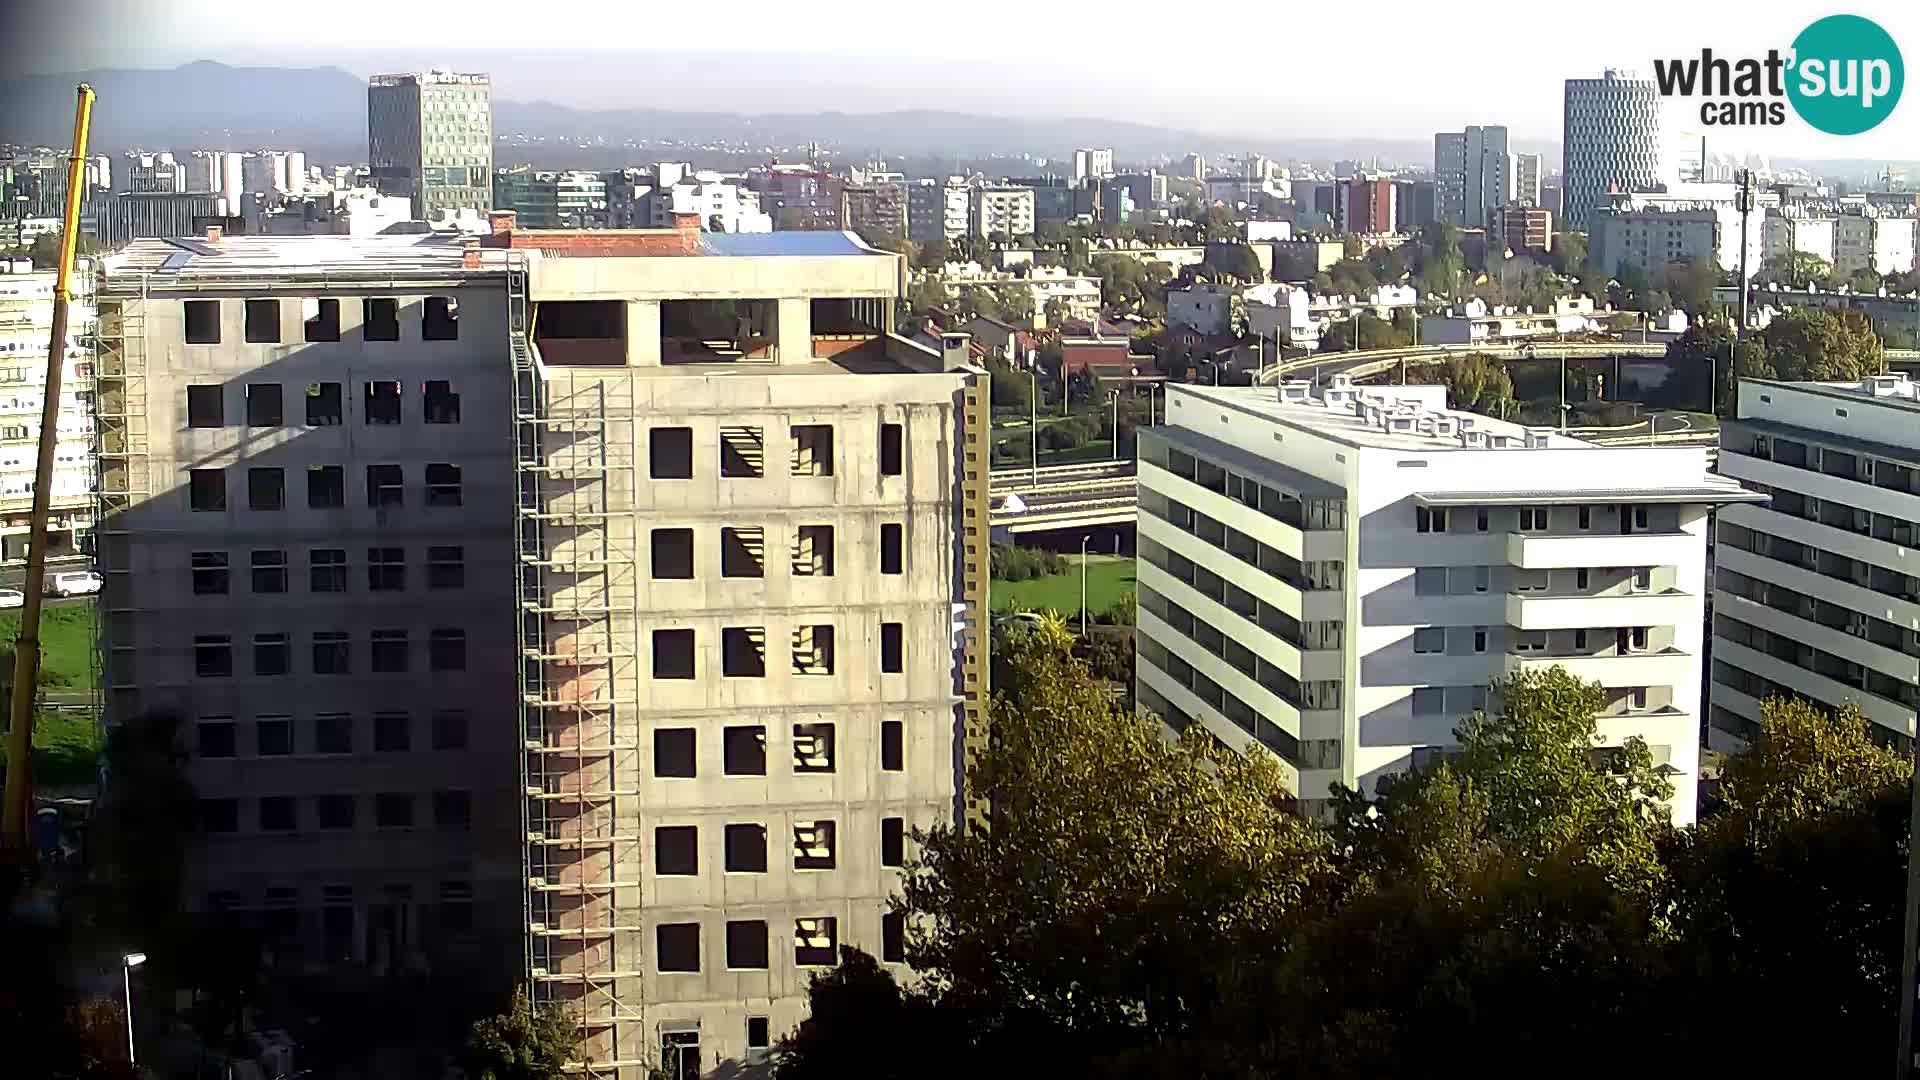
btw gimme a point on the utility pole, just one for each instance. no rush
(1743, 202)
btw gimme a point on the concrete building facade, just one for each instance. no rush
(1363, 205)
(1816, 593)
(1611, 141)
(1473, 173)
(1000, 210)
(936, 210)
(430, 138)
(1338, 577)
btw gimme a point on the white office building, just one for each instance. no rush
(1339, 575)
(1092, 163)
(1816, 591)
(1611, 142)
(1001, 210)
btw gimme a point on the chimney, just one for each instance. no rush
(687, 223)
(213, 234)
(470, 253)
(501, 222)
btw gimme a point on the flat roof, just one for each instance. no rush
(1707, 492)
(1342, 424)
(802, 243)
(190, 261)
(1851, 391)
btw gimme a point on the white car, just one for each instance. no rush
(75, 583)
(12, 598)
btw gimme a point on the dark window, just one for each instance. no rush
(893, 938)
(212, 656)
(326, 487)
(219, 815)
(277, 813)
(759, 1034)
(816, 942)
(447, 650)
(892, 461)
(813, 649)
(327, 570)
(331, 654)
(813, 748)
(746, 849)
(440, 319)
(389, 656)
(673, 654)
(676, 850)
(893, 648)
(892, 554)
(456, 905)
(449, 730)
(382, 404)
(393, 810)
(743, 552)
(386, 569)
(203, 322)
(216, 738)
(742, 451)
(207, 489)
(273, 736)
(384, 485)
(813, 551)
(263, 405)
(440, 404)
(209, 573)
(679, 946)
(269, 571)
(892, 745)
(673, 752)
(392, 733)
(333, 733)
(271, 656)
(335, 811)
(747, 945)
(443, 485)
(266, 489)
(670, 453)
(672, 553)
(446, 567)
(744, 751)
(206, 406)
(380, 316)
(893, 841)
(323, 404)
(323, 319)
(263, 322)
(812, 450)
(452, 809)
(743, 652)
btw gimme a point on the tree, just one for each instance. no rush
(45, 249)
(929, 294)
(1441, 263)
(1704, 364)
(523, 1043)
(1793, 270)
(1375, 333)
(1690, 284)
(1236, 260)
(1569, 253)
(933, 254)
(1823, 346)
(1475, 382)
(1056, 311)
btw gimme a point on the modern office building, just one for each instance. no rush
(1338, 575)
(430, 138)
(936, 210)
(1526, 180)
(155, 172)
(1817, 592)
(26, 321)
(623, 646)
(1363, 205)
(541, 199)
(1000, 211)
(1473, 173)
(1611, 141)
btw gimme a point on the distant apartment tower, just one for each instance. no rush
(1473, 173)
(26, 319)
(880, 204)
(1414, 203)
(155, 172)
(1611, 141)
(132, 215)
(936, 210)
(430, 138)
(1363, 205)
(1817, 594)
(1523, 230)
(1525, 190)
(1091, 164)
(996, 211)
(1337, 576)
(307, 538)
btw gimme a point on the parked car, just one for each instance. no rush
(12, 598)
(74, 583)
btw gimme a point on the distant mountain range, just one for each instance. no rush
(323, 111)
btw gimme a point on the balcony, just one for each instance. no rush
(1666, 667)
(1540, 611)
(1544, 551)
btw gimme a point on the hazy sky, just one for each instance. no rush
(1390, 68)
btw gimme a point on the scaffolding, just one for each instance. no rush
(579, 740)
(124, 477)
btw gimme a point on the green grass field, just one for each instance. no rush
(1109, 577)
(65, 743)
(66, 644)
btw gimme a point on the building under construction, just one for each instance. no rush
(735, 558)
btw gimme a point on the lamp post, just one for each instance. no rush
(127, 964)
(1033, 425)
(1083, 584)
(1113, 396)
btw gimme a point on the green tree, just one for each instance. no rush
(1569, 253)
(929, 294)
(1690, 284)
(1441, 263)
(1475, 382)
(1704, 364)
(1375, 333)
(933, 254)
(1056, 311)
(1823, 346)
(1794, 270)
(1236, 260)
(45, 250)
(523, 1043)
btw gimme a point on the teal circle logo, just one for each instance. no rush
(1846, 75)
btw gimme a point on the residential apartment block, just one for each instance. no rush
(936, 210)
(1817, 591)
(1338, 576)
(26, 321)
(1000, 211)
(594, 608)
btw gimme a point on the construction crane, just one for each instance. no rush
(14, 844)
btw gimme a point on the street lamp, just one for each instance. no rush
(1113, 396)
(1033, 423)
(127, 964)
(1083, 589)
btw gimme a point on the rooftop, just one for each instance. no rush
(1386, 417)
(1897, 390)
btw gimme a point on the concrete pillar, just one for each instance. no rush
(643, 333)
(793, 329)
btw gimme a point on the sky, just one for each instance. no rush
(1397, 69)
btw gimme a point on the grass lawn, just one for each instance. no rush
(1109, 577)
(66, 644)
